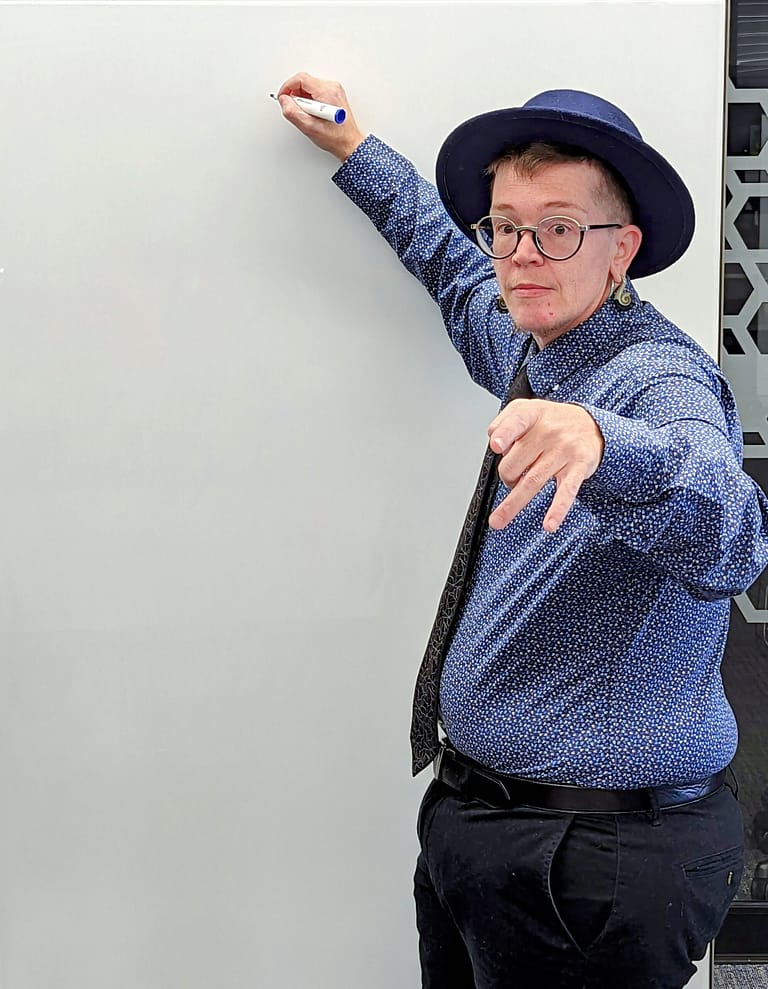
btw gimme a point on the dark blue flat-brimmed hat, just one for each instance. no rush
(662, 205)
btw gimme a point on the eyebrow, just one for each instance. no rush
(556, 204)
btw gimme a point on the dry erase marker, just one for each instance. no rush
(323, 110)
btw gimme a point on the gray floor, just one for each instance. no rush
(741, 977)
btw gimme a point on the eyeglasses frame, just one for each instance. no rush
(520, 230)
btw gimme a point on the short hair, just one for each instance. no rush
(528, 159)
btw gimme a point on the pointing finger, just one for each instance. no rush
(565, 494)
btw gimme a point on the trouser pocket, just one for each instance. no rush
(710, 884)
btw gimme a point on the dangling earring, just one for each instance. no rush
(621, 295)
(501, 304)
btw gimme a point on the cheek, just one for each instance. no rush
(569, 286)
(582, 283)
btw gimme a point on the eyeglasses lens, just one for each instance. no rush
(558, 237)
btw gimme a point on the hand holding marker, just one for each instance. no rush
(323, 110)
(339, 139)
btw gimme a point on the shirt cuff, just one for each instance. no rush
(635, 466)
(372, 172)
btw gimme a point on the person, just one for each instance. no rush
(579, 832)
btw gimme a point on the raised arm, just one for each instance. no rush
(406, 210)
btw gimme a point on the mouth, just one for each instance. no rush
(529, 289)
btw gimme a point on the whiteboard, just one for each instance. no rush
(233, 470)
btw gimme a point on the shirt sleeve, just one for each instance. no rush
(671, 486)
(408, 213)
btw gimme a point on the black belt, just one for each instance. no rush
(476, 782)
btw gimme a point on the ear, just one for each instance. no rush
(627, 242)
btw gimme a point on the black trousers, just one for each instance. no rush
(531, 899)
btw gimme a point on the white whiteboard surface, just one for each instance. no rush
(233, 471)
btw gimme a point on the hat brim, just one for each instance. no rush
(663, 206)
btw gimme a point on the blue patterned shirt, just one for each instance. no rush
(591, 655)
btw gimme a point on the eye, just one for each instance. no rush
(559, 228)
(503, 228)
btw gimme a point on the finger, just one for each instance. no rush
(502, 439)
(528, 469)
(507, 510)
(314, 88)
(523, 489)
(518, 418)
(300, 84)
(568, 485)
(294, 114)
(522, 406)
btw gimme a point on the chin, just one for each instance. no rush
(543, 327)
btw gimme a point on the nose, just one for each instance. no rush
(527, 252)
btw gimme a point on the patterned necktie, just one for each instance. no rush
(424, 740)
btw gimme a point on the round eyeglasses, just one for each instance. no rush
(556, 237)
